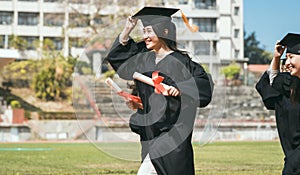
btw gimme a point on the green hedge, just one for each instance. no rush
(65, 116)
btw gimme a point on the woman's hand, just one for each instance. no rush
(172, 91)
(129, 26)
(130, 23)
(132, 105)
(278, 50)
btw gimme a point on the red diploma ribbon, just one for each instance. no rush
(135, 99)
(159, 88)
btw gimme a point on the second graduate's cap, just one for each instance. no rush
(154, 15)
(292, 41)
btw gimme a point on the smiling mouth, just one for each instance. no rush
(290, 68)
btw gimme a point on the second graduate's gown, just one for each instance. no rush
(277, 97)
(165, 124)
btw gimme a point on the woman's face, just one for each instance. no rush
(292, 64)
(151, 39)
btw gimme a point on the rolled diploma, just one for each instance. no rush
(147, 80)
(113, 85)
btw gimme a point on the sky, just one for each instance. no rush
(271, 20)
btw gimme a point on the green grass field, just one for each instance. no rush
(220, 158)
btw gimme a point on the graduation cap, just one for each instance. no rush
(154, 15)
(292, 41)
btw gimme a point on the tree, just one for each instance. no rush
(18, 43)
(48, 77)
(19, 73)
(104, 19)
(254, 52)
(232, 71)
(51, 80)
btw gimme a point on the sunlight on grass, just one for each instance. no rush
(220, 158)
(125, 151)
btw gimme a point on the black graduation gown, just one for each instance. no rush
(277, 97)
(166, 123)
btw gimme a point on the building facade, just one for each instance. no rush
(219, 40)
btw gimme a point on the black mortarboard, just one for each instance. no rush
(154, 15)
(292, 42)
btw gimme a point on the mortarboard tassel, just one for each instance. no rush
(192, 28)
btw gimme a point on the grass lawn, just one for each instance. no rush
(220, 158)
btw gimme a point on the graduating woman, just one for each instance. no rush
(280, 91)
(165, 123)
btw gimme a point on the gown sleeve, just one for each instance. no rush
(201, 80)
(270, 94)
(123, 58)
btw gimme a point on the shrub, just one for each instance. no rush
(15, 104)
(231, 71)
(19, 74)
(50, 82)
(110, 74)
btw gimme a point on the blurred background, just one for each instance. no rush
(53, 69)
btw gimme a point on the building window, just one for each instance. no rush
(236, 11)
(51, 19)
(183, 45)
(236, 33)
(175, 2)
(57, 42)
(152, 2)
(201, 47)
(236, 53)
(6, 18)
(2, 39)
(183, 2)
(53, 0)
(77, 42)
(206, 24)
(30, 19)
(179, 22)
(131, 2)
(79, 20)
(79, 1)
(98, 20)
(204, 47)
(31, 42)
(205, 4)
